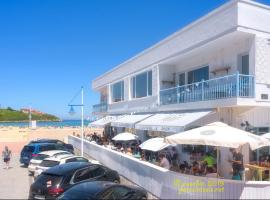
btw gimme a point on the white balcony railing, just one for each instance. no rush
(230, 86)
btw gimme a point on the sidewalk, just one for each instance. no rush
(15, 182)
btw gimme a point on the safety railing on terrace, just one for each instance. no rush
(237, 85)
(100, 108)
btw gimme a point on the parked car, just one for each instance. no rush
(56, 180)
(33, 149)
(69, 147)
(58, 160)
(35, 161)
(103, 190)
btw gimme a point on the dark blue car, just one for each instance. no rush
(31, 150)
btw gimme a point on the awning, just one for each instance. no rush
(101, 123)
(171, 122)
(129, 121)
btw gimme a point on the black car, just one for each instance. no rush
(69, 147)
(33, 149)
(56, 180)
(103, 190)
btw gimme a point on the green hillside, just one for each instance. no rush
(14, 115)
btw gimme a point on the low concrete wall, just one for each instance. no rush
(166, 184)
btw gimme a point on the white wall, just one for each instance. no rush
(222, 55)
(167, 184)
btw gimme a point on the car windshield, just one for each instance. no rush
(28, 149)
(49, 163)
(49, 179)
(40, 157)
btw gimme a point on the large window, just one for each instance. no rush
(142, 85)
(198, 75)
(118, 91)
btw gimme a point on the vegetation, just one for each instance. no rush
(10, 114)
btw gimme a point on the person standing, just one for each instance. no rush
(6, 154)
(164, 162)
(237, 163)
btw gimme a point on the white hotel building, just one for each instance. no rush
(219, 63)
(215, 69)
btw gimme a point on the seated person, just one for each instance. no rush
(210, 172)
(209, 161)
(184, 167)
(195, 169)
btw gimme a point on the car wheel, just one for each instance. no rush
(116, 181)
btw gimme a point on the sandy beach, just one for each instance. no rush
(15, 138)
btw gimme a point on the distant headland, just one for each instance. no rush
(11, 115)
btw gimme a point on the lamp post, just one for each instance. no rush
(72, 111)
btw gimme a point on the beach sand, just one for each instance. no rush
(15, 138)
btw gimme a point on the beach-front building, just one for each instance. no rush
(215, 69)
(219, 63)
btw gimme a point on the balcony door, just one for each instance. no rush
(198, 75)
(243, 64)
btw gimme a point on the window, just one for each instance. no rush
(142, 85)
(118, 91)
(98, 171)
(81, 175)
(198, 75)
(47, 147)
(181, 79)
(119, 192)
(49, 163)
(116, 192)
(81, 160)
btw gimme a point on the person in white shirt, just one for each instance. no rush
(164, 162)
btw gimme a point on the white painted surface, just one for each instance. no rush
(163, 183)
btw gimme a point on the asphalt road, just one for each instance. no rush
(15, 181)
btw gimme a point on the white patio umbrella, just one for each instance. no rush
(220, 135)
(154, 144)
(125, 137)
(266, 135)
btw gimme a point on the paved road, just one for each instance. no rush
(15, 181)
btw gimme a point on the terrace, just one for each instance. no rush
(230, 86)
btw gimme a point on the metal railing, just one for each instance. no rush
(99, 108)
(230, 86)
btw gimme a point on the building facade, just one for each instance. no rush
(221, 62)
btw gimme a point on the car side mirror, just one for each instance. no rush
(69, 146)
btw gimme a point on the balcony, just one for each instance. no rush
(231, 86)
(100, 108)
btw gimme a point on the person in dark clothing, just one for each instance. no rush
(237, 162)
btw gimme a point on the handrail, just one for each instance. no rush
(236, 85)
(206, 81)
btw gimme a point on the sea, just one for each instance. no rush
(64, 123)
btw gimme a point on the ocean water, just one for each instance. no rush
(64, 123)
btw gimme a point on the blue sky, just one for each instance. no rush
(50, 48)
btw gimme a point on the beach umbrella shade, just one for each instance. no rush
(154, 144)
(125, 137)
(220, 135)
